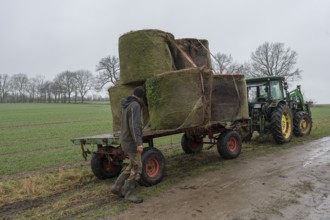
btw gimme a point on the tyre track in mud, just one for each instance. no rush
(292, 183)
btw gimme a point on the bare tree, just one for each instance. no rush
(46, 91)
(57, 89)
(4, 87)
(273, 59)
(224, 64)
(66, 79)
(108, 71)
(32, 89)
(84, 82)
(19, 83)
(39, 81)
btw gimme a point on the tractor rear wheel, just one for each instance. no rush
(302, 124)
(191, 144)
(103, 168)
(229, 145)
(153, 166)
(281, 124)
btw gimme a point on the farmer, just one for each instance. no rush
(131, 143)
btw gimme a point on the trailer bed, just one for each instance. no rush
(113, 139)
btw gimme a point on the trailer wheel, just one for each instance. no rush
(103, 168)
(153, 166)
(229, 145)
(281, 124)
(302, 124)
(191, 144)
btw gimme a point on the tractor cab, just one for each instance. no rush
(263, 90)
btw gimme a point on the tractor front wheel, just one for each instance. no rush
(281, 124)
(302, 124)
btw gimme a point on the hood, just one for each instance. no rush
(126, 101)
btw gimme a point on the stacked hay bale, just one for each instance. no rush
(229, 98)
(116, 94)
(181, 91)
(179, 99)
(197, 50)
(176, 99)
(143, 54)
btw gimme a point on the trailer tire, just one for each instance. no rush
(302, 124)
(153, 166)
(102, 169)
(191, 144)
(229, 145)
(281, 124)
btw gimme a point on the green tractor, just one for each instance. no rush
(274, 110)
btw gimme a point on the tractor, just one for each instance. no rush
(276, 111)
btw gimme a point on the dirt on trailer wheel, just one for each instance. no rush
(291, 183)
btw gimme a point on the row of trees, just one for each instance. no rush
(66, 87)
(269, 59)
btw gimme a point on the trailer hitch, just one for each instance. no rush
(84, 152)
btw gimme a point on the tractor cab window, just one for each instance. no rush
(258, 92)
(276, 91)
(263, 91)
(252, 94)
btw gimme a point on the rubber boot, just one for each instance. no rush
(116, 188)
(128, 190)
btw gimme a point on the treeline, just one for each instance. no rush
(269, 59)
(66, 87)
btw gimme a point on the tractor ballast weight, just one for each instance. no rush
(274, 110)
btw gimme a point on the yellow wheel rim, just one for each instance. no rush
(304, 125)
(286, 125)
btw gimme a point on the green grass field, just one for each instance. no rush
(40, 168)
(35, 136)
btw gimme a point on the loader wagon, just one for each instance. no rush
(183, 95)
(108, 159)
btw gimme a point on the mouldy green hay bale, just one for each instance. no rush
(179, 99)
(116, 93)
(229, 101)
(143, 54)
(195, 48)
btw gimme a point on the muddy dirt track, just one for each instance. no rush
(291, 183)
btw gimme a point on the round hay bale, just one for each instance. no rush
(179, 99)
(116, 94)
(143, 54)
(229, 98)
(197, 51)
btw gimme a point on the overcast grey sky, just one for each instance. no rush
(44, 37)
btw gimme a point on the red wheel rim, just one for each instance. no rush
(232, 145)
(195, 143)
(152, 167)
(109, 167)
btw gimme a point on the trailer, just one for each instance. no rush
(108, 159)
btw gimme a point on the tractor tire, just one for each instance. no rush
(191, 144)
(229, 145)
(281, 124)
(302, 124)
(102, 169)
(153, 166)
